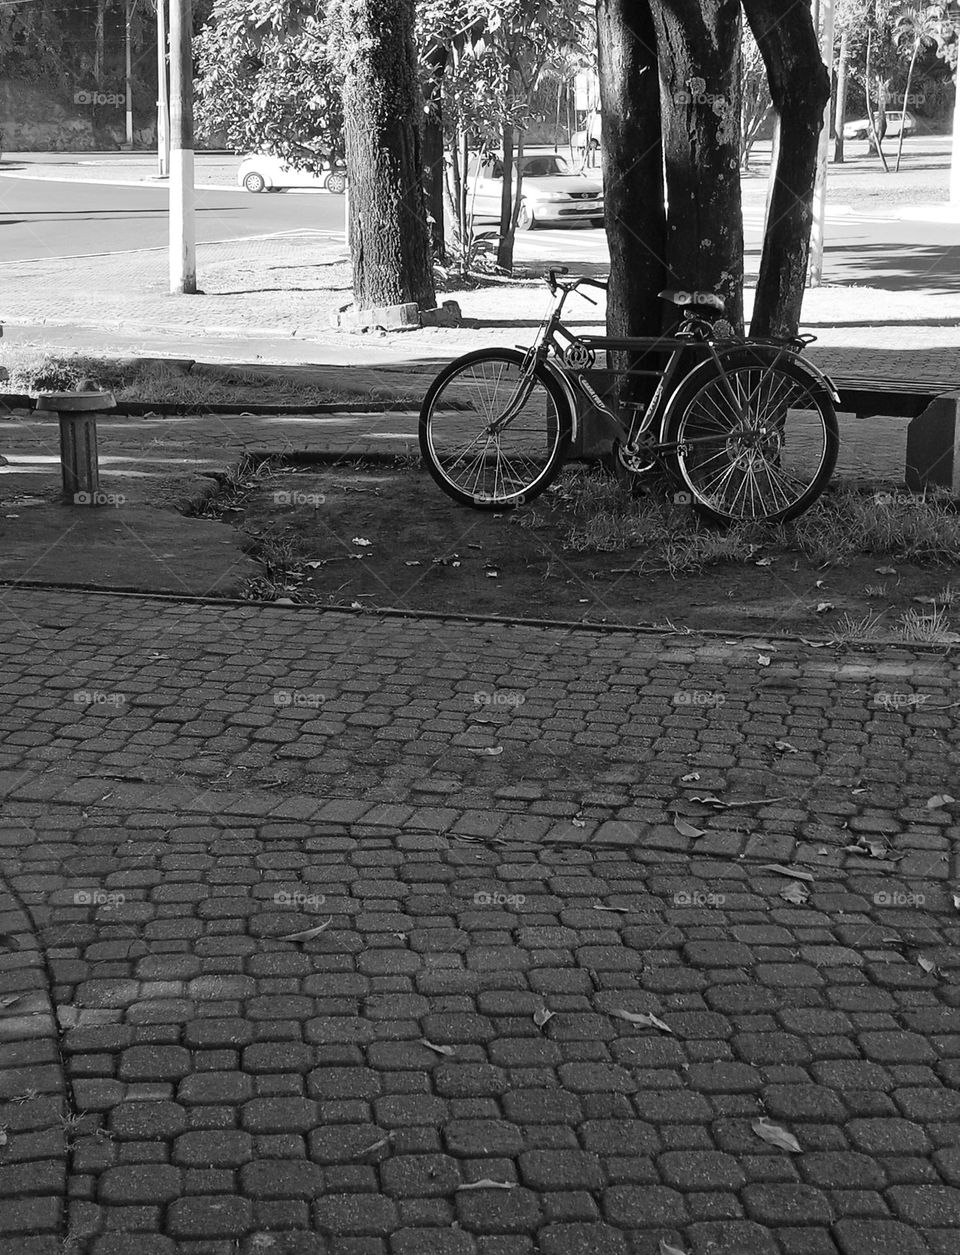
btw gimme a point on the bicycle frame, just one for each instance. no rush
(560, 359)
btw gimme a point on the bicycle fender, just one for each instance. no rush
(561, 379)
(705, 369)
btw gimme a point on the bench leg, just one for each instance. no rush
(933, 446)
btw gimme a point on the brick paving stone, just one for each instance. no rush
(866, 1236)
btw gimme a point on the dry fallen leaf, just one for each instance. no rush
(795, 893)
(814, 644)
(441, 1050)
(384, 1141)
(773, 1134)
(361, 540)
(541, 1016)
(764, 562)
(786, 871)
(645, 1021)
(824, 606)
(490, 751)
(413, 564)
(667, 1249)
(708, 799)
(956, 900)
(8, 1000)
(685, 829)
(764, 660)
(928, 965)
(307, 932)
(623, 910)
(487, 1184)
(938, 801)
(885, 570)
(3, 1137)
(690, 777)
(785, 747)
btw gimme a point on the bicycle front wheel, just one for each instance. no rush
(757, 443)
(493, 432)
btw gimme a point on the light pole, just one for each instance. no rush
(183, 251)
(163, 109)
(128, 13)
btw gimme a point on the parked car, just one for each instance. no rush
(552, 193)
(860, 127)
(263, 172)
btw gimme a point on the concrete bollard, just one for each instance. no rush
(78, 412)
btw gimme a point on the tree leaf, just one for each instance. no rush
(690, 777)
(795, 893)
(487, 1184)
(667, 1249)
(362, 541)
(644, 1020)
(441, 1050)
(938, 801)
(307, 932)
(928, 965)
(490, 751)
(885, 570)
(786, 871)
(763, 660)
(785, 747)
(541, 1016)
(685, 829)
(824, 606)
(776, 1136)
(623, 910)
(764, 562)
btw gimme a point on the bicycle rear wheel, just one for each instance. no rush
(757, 443)
(493, 434)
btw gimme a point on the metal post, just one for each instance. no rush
(128, 69)
(815, 271)
(163, 106)
(183, 251)
(77, 413)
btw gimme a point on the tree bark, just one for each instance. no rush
(433, 154)
(505, 243)
(699, 42)
(632, 166)
(800, 89)
(389, 235)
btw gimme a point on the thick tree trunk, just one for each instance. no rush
(632, 166)
(800, 89)
(840, 114)
(390, 239)
(433, 157)
(699, 42)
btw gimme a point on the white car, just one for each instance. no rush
(265, 173)
(552, 194)
(860, 128)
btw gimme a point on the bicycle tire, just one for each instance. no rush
(479, 468)
(746, 478)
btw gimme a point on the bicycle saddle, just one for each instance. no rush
(693, 298)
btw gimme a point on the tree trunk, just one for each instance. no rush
(699, 42)
(505, 243)
(841, 110)
(433, 157)
(632, 166)
(390, 239)
(800, 89)
(906, 97)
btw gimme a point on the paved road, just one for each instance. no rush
(50, 218)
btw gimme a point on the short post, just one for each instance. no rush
(78, 412)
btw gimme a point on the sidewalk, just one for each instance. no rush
(330, 978)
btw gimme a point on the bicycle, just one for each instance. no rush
(745, 428)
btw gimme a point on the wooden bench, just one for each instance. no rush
(933, 436)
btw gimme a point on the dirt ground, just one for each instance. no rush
(376, 537)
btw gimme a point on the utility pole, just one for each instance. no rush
(163, 108)
(128, 13)
(815, 272)
(183, 251)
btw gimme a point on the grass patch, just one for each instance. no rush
(153, 382)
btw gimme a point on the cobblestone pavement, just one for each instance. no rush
(345, 918)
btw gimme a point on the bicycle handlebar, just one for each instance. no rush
(572, 284)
